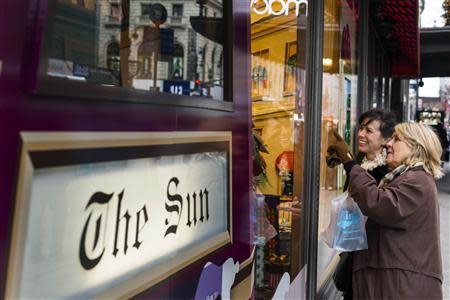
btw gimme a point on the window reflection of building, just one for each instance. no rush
(74, 41)
(175, 52)
(260, 76)
(191, 58)
(145, 9)
(260, 81)
(177, 10)
(113, 56)
(219, 73)
(115, 11)
(290, 66)
(212, 67)
(202, 55)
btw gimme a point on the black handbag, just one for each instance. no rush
(342, 275)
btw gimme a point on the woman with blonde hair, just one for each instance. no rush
(403, 260)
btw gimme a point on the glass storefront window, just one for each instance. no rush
(278, 83)
(339, 99)
(278, 38)
(159, 46)
(290, 66)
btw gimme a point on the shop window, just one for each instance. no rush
(260, 76)
(339, 86)
(211, 66)
(145, 9)
(177, 10)
(277, 117)
(260, 80)
(290, 66)
(113, 57)
(279, 112)
(115, 11)
(143, 52)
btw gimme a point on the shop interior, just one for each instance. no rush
(278, 99)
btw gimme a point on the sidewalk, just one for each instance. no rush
(444, 203)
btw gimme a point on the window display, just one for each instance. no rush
(277, 77)
(339, 102)
(278, 84)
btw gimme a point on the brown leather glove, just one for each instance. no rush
(338, 152)
(332, 160)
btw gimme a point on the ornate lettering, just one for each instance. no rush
(91, 250)
(194, 202)
(283, 7)
(176, 207)
(138, 229)
(126, 215)
(87, 262)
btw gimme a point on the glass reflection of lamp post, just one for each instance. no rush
(421, 6)
(415, 86)
(158, 15)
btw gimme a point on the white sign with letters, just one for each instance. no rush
(91, 226)
(277, 7)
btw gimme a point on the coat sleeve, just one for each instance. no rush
(392, 205)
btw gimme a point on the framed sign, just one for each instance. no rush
(111, 214)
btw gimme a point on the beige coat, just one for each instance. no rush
(403, 260)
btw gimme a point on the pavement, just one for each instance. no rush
(443, 186)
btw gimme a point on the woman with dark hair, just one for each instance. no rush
(403, 259)
(375, 129)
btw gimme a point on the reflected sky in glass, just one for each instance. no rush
(431, 15)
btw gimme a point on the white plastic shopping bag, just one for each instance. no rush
(347, 230)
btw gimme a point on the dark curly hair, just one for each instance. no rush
(387, 120)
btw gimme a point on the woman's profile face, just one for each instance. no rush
(397, 152)
(370, 140)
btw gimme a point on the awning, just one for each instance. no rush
(210, 27)
(397, 25)
(435, 52)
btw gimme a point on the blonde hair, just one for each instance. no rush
(425, 144)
